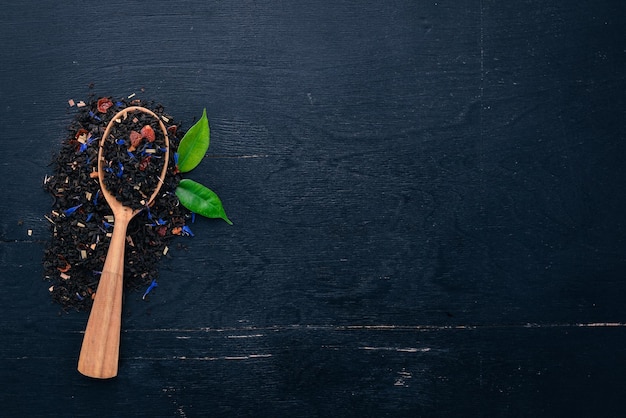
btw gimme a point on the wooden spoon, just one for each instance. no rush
(99, 354)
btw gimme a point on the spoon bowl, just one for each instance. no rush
(99, 354)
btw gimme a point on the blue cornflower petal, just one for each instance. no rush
(93, 115)
(71, 210)
(152, 286)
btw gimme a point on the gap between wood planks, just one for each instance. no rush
(338, 328)
(257, 332)
(380, 327)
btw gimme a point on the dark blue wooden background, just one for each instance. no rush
(428, 199)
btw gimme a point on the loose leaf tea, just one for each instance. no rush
(133, 155)
(81, 221)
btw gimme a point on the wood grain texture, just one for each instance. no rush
(426, 200)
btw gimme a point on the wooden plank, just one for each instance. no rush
(427, 214)
(434, 371)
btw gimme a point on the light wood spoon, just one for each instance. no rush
(99, 354)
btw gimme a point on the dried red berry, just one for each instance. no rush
(67, 265)
(144, 163)
(81, 133)
(104, 104)
(135, 140)
(172, 130)
(148, 133)
(161, 230)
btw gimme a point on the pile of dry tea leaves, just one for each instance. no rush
(133, 157)
(81, 221)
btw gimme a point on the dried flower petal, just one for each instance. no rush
(176, 170)
(104, 104)
(96, 117)
(148, 133)
(71, 210)
(152, 286)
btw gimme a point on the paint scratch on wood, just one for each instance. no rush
(246, 336)
(397, 349)
(204, 358)
(242, 156)
(403, 378)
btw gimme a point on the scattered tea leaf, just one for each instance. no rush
(194, 145)
(201, 200)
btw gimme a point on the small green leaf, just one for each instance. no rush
(194, 145)
(201, 200)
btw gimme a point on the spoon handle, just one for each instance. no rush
(100, 350)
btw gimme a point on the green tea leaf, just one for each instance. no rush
(201, 200)
(194, 145)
